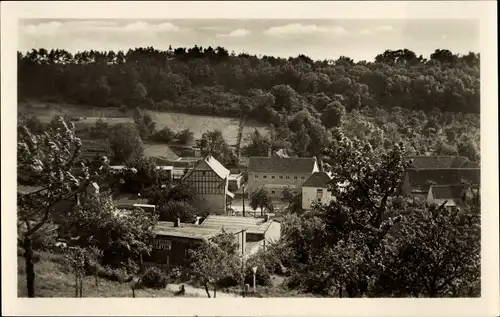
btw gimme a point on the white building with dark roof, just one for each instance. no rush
(315, 190)
(276, 173)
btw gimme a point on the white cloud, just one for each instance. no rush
(339, 30)
(42, 28)
(377, 29)
(300, 29)
(55, 28)
(167, 26)
(235, 33)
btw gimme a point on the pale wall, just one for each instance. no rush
(309, 196)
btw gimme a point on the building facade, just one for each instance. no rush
(173, 240)
(315, 190)
(275, 173)
(209, 181)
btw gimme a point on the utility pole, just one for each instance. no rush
(243, 187)
(254, 269)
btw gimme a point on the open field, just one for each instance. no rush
(175, 121)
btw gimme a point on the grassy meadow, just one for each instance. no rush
(197, 124)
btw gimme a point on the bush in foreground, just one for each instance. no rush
(154, 278)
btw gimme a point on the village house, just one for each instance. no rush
(209, 180)
(235, 182)
(173, 241)
(425, 171)
(452, 196)
(276, 173)
(417, 182)
(315, 190)
(259, 232)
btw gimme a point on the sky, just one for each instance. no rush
(360, 39)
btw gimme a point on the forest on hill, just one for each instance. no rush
(432, 105)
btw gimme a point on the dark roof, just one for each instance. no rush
(317, 179)
(447, 191)
(276, 164)
(420, 178)
(471, 164)
(438, 161)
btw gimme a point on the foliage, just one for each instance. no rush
(294, 201)
(261, 199)
(76, 260)
(258, 144)
(212, 263)
(122, 235)
(164, 135)
(213, 143)
(408, 89)
(338, 247)
(161, 196)
(154, 278)
(332, 115)
(140, 175)
(436, 253)
(173, 210)
(125, 143)
(144, 123)
(44, 160)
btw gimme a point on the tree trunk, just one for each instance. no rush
(340, 291)
(81, 287)
(76, 285)
(206, 290)
(96, 278)
(30, 267)
(215, 290)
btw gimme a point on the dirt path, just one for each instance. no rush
(198, 292)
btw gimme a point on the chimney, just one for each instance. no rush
(197, 222)
(177, 223)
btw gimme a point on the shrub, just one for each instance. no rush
(154, 278)
(114, 274)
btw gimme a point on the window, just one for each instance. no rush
(273, 192)
(265, 176)
(256, 176)
(303, 177)
(281, 177)
(272, 177)
(295, 177)
(161, 244)
(287, 177)
(319, 194)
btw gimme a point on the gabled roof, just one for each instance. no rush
(440, 162)
(252, 225)
(447, 191)
(276, 164)
(317, 179)
(210, 163)
(421, 179)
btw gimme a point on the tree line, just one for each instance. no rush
(212, 81)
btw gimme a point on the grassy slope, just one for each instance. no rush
(53, 280)
(175, 121)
